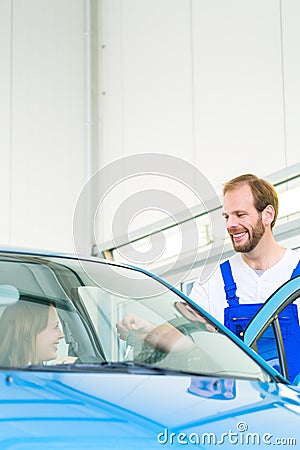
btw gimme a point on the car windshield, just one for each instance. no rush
(92, 314)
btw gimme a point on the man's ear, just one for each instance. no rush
(268, 215)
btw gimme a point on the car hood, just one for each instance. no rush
(117, 410)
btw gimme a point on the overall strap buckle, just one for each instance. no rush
(229, 284)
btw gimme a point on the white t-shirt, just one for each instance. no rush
(251, 287)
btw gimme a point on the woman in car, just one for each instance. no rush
(30, 334)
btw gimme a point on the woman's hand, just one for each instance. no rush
(64, 360)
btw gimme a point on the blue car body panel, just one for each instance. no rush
(81, 410)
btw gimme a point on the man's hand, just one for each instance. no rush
(134, 324)
(164, 338)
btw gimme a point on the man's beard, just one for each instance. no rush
(257, 233)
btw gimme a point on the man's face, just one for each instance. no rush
(243, 222)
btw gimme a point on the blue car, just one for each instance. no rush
(100, 355)
(274, 332)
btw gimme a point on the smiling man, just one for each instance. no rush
(260, 265)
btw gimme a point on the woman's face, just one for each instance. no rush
(47, 340)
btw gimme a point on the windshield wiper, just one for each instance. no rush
(114, 366)
(134, 367)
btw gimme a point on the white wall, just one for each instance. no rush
(42, 106)
(291, 74)
(239, 113)
(203, 78)
(213, 82)
(5, 118)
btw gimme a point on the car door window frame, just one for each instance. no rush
(274, 322)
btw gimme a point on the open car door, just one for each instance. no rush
(274, 331)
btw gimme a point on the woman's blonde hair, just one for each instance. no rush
(19, 326)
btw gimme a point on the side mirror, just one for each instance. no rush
(9, 295)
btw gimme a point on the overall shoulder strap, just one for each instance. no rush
(296, 271)
(229, 284)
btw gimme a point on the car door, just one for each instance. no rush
(274, 331)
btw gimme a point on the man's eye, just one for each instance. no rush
(241, 214)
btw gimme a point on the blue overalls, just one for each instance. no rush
(237, 316)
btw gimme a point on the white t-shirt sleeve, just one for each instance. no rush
(210, 295)
(199, 294)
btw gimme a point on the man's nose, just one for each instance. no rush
(231, 222)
